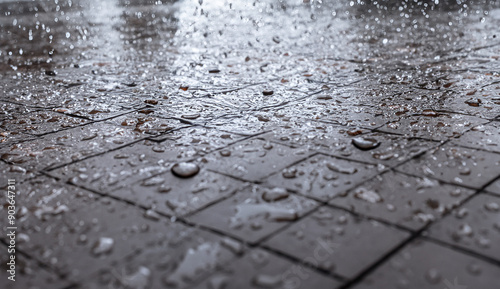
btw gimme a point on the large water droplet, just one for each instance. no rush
(365, 143)
(185, 170)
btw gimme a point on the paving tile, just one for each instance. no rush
(261, 269)
(96, 109)
(179, 259)
(172, 195)
(254, 212)
(117, 169)
(66, 146)
(475, 226)
(253, 159)
(143, 122)
(63, 223)
(468, 167)
(195, 141)
(337, 141)
(14, 172)
(337, 241)
(40, 122)
(197, 110)
(322, 177)
(485, 137)
(361, 116)
(433, 125)
(423, 264)
(29, 274)
(403, 200)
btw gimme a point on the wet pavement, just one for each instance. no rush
(239, 144)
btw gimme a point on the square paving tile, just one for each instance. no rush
(485, 137)
(143, 122)
(475, 226)
(29, 274)
(172, 195)
(66, 146)
(337, 141)
(467, 167)
(62, 224)
(117, 169)
(40, 122)
(424, 264)
(195, 141)
(356, 115)
(322, 177)
(180, 260)
(433, 125)
(337, 241)
(403, 200)
(253, 159)
(254, 212)
(14, 172)
(261, 269)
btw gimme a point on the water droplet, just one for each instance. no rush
(343, 170)
(368, 195)
(492, 207)
(152, 215)
(267, 146)
(474, 269)
(225, 153)
(153, 181)
(158, 149)
(196, 261)
(164, 189)
(233, 245)
(141, 279)
(483, 242)
(267, 281)
(185, 170)
(462, 213)
(103, 246)
(464, 171)
(275, 194)
(191, 116)
(433, 276)
(289, 173)
(391, 208)
(365, 143)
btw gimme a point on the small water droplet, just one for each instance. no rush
(492, 207)
(152, 215)
(343, 170)
(289, 173)
(433, 276)
(368, 195)
(474, 269)
(275, 194)
(103, 246)
(267, 281)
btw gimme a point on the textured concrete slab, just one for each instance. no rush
(329, 238)
(403, 200)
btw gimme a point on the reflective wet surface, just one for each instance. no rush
(252, 144)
